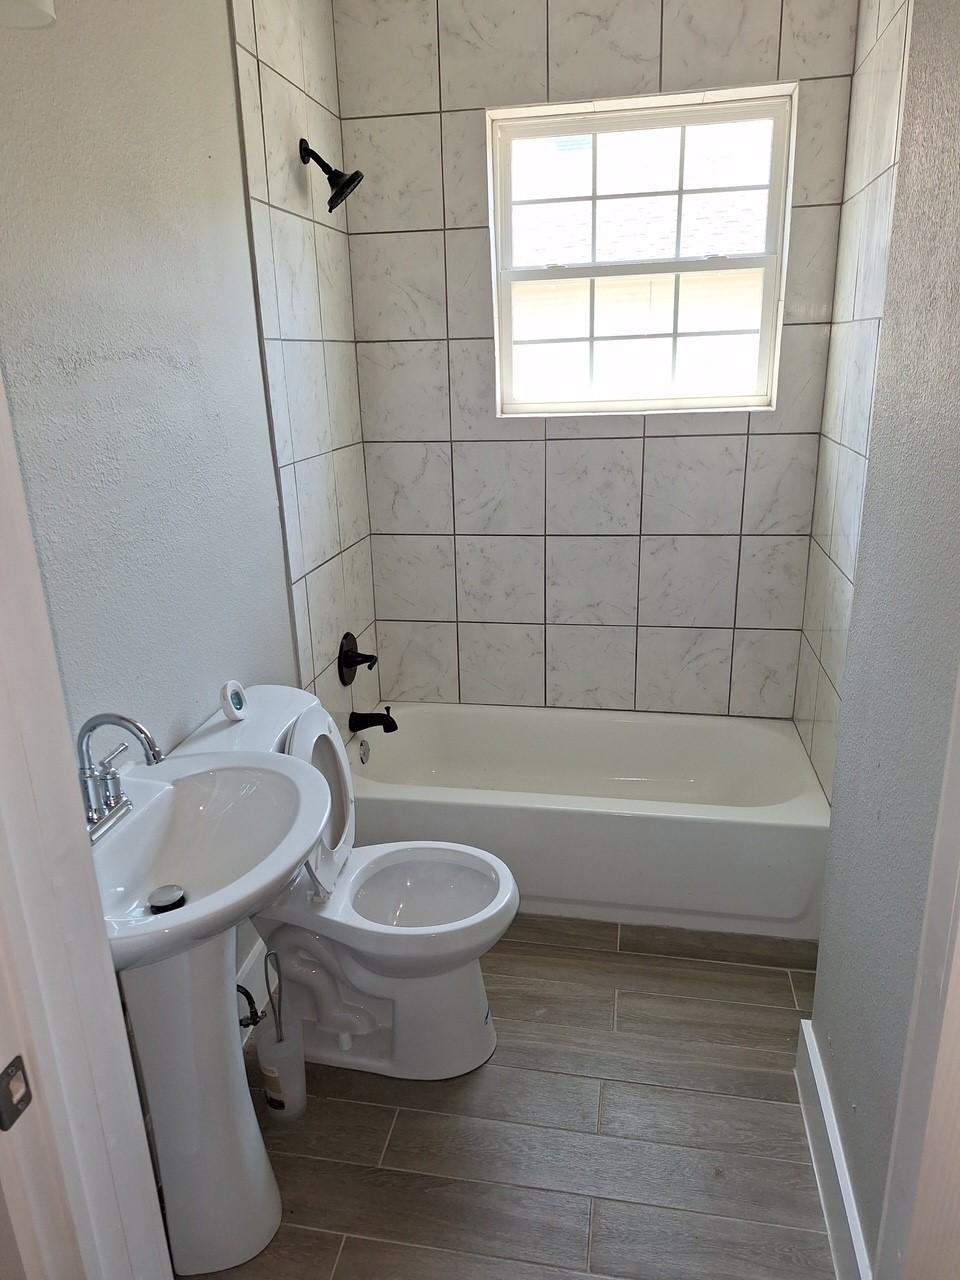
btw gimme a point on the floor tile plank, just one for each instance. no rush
(803, 984)
(492, 1093)
(350, 1131)
(643, 1243)
(558, 931)
(754, 1026)
(612, 1168)
(744, 1126)
(539, 1000)
(377, 1260)
(620, 1055)
(292, 1254)
(654, 975)
(738, 948)
(410, 1208)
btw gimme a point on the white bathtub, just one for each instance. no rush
(699, 822)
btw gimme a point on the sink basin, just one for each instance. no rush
(231, 828)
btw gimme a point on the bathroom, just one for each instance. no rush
(639, 671)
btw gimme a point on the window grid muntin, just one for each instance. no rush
(776, 103)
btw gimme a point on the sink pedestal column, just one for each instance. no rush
(221, 1198)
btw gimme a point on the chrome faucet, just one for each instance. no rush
(103, 792)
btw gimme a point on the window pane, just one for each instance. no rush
(634, 370)
(636, 229)
(551, 371)
(719, 300)
(728, 155)
(641, 160)
(551, 234)
(723, 366)
(545, 168)
(551, 309)
(728, 223)
(633, 304)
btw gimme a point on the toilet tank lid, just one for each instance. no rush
(271, 710)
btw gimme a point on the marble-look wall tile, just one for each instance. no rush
(358, 586)
(803, 367)
(325, 137)
(811, 264)
(291, 522)
(688, 581)
(248, 80)
(404, 390)
(848, 258)
(886, 10)
(366, 684)
(317, 493)
(409, 488)
(403, 189)
(335, 699)
(328, 618)
(244, 25)
(473, 396)
(693, 485)
(498, 488)
(821, 140)
(875, 108)
(764, 678)
(683, 669)
(867, 28)
(284, 124)
(818, 38)
(414, 578)
(808, 673)
(465, 168)
(342, 394)
(592, 580)
(319, 53)
(298, 296)
(838, 600)
(594, 487)
(301, 632)
(601, 426)
(398, 285)
(781, 477)
(265, 269)
(387, 56)
(351, 494)
(603, 42)
(500, 579)
(848, 404)
(418, 661)
(725, 42)
(493, 53)
(874, 245)
(501, 664)
(333, 269)
(469, 292)
(278, 37)
(306, 377)
(727, 423)
(815, 598)
(825, 493)
(591, 667)
(773, 576)
(279, 407)
(845, 535)
(823, 752)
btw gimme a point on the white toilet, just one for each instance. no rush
(379, 947)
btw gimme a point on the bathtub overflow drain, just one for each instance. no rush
(364, 751)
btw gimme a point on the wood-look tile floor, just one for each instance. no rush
(638, 1119)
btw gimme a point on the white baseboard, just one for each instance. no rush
(850, 1254)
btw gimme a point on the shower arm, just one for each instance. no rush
(307, 153)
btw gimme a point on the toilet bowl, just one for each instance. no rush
(379, 945)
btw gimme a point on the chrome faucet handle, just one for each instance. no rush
(110, 786)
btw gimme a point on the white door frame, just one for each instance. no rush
(75, 1170)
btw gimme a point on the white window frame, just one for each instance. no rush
(776, 101)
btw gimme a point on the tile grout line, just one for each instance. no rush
(393, 1125)
(336, 1262)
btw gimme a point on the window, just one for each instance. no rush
(639, 252)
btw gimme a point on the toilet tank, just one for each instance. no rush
(271, 710)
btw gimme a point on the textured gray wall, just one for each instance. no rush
(904, 645)
(128, 345)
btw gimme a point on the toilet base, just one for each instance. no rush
(427, 1028)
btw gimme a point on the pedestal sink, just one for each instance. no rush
(232, 829)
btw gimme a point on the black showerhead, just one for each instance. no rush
(341, 184)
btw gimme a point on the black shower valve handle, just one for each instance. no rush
(355, 659)
(350, 658)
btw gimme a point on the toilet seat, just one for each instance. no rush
(315, 738)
